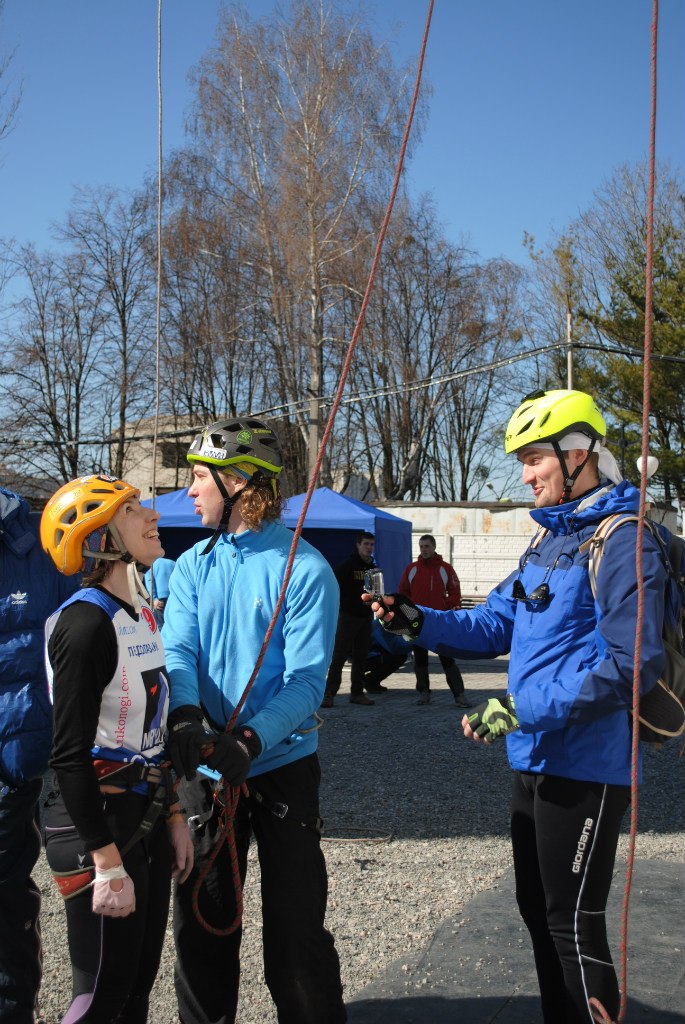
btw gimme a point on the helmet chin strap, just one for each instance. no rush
(229, 504)
(570, 478)
(136, 587)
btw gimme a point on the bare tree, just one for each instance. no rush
(51, 365)
(108, 232)
(437, 317)
(10, 92)
(296, 124)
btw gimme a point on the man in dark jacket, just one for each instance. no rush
(30, 590)
(432, 582)
(353, 635)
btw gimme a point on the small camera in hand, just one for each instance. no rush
(373, 583)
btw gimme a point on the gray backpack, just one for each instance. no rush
(662, 710)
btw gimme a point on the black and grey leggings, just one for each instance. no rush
(114, 960)
(564, 835)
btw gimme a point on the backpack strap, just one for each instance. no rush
(596, 544)
(540, 535)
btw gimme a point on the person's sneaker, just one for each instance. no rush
(361, 698)
(376, 689)
(462, 702)
(424, 698)
(327, 702)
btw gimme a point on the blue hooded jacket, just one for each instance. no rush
(571, 657)
(30, 590)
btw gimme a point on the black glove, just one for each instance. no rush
(233, 754)
(407, 618)
(494, 718)
(187, 737)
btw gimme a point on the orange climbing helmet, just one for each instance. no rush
(76, 512)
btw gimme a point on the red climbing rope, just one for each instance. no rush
(641, 517)
(232, 794)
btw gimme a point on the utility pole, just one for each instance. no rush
(569, 349)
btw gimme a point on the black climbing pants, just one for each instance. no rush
(564, 834)
(301, 965)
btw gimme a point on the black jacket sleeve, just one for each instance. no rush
(83, 655)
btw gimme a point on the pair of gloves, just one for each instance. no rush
(190, 744)
(488, 720)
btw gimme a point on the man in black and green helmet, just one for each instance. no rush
(221, 600)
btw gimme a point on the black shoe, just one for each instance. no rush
(462, 702)
(424, 698)
(361, 698)
(376, 689)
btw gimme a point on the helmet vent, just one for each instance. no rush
(243, 449)
(545, 418)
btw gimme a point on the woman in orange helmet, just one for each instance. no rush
(115, 834)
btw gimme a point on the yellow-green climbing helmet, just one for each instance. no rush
(548, 415)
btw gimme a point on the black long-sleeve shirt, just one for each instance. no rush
(350, 577)
(83, 653)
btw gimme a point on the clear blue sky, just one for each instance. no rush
(535, 102)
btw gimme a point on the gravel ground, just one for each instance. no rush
(416, 823)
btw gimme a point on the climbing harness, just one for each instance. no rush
(126, 777)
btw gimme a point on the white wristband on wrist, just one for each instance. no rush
(109, 874)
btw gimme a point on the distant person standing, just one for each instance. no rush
(353, 634)
(433, 583)
(157, 580)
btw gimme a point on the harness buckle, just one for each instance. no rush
(196, 821)
(279, 809)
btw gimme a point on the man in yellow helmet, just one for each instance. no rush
(565, 713)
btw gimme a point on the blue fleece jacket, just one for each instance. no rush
(216, 617)
(571, 658)
(30, 590)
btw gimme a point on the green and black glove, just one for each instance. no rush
(407, 619)
(494, 718)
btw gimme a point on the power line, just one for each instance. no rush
(366, 395)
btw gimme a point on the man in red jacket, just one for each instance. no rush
(433, 583)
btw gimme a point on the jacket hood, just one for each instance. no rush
(435, 559)
(605, 500)
(15, 523)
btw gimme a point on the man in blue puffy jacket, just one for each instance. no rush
(222, 597)
(30, 590)
(565, 713)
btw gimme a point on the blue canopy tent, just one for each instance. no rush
(332, 522)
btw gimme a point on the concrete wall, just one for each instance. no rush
(482, 540)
